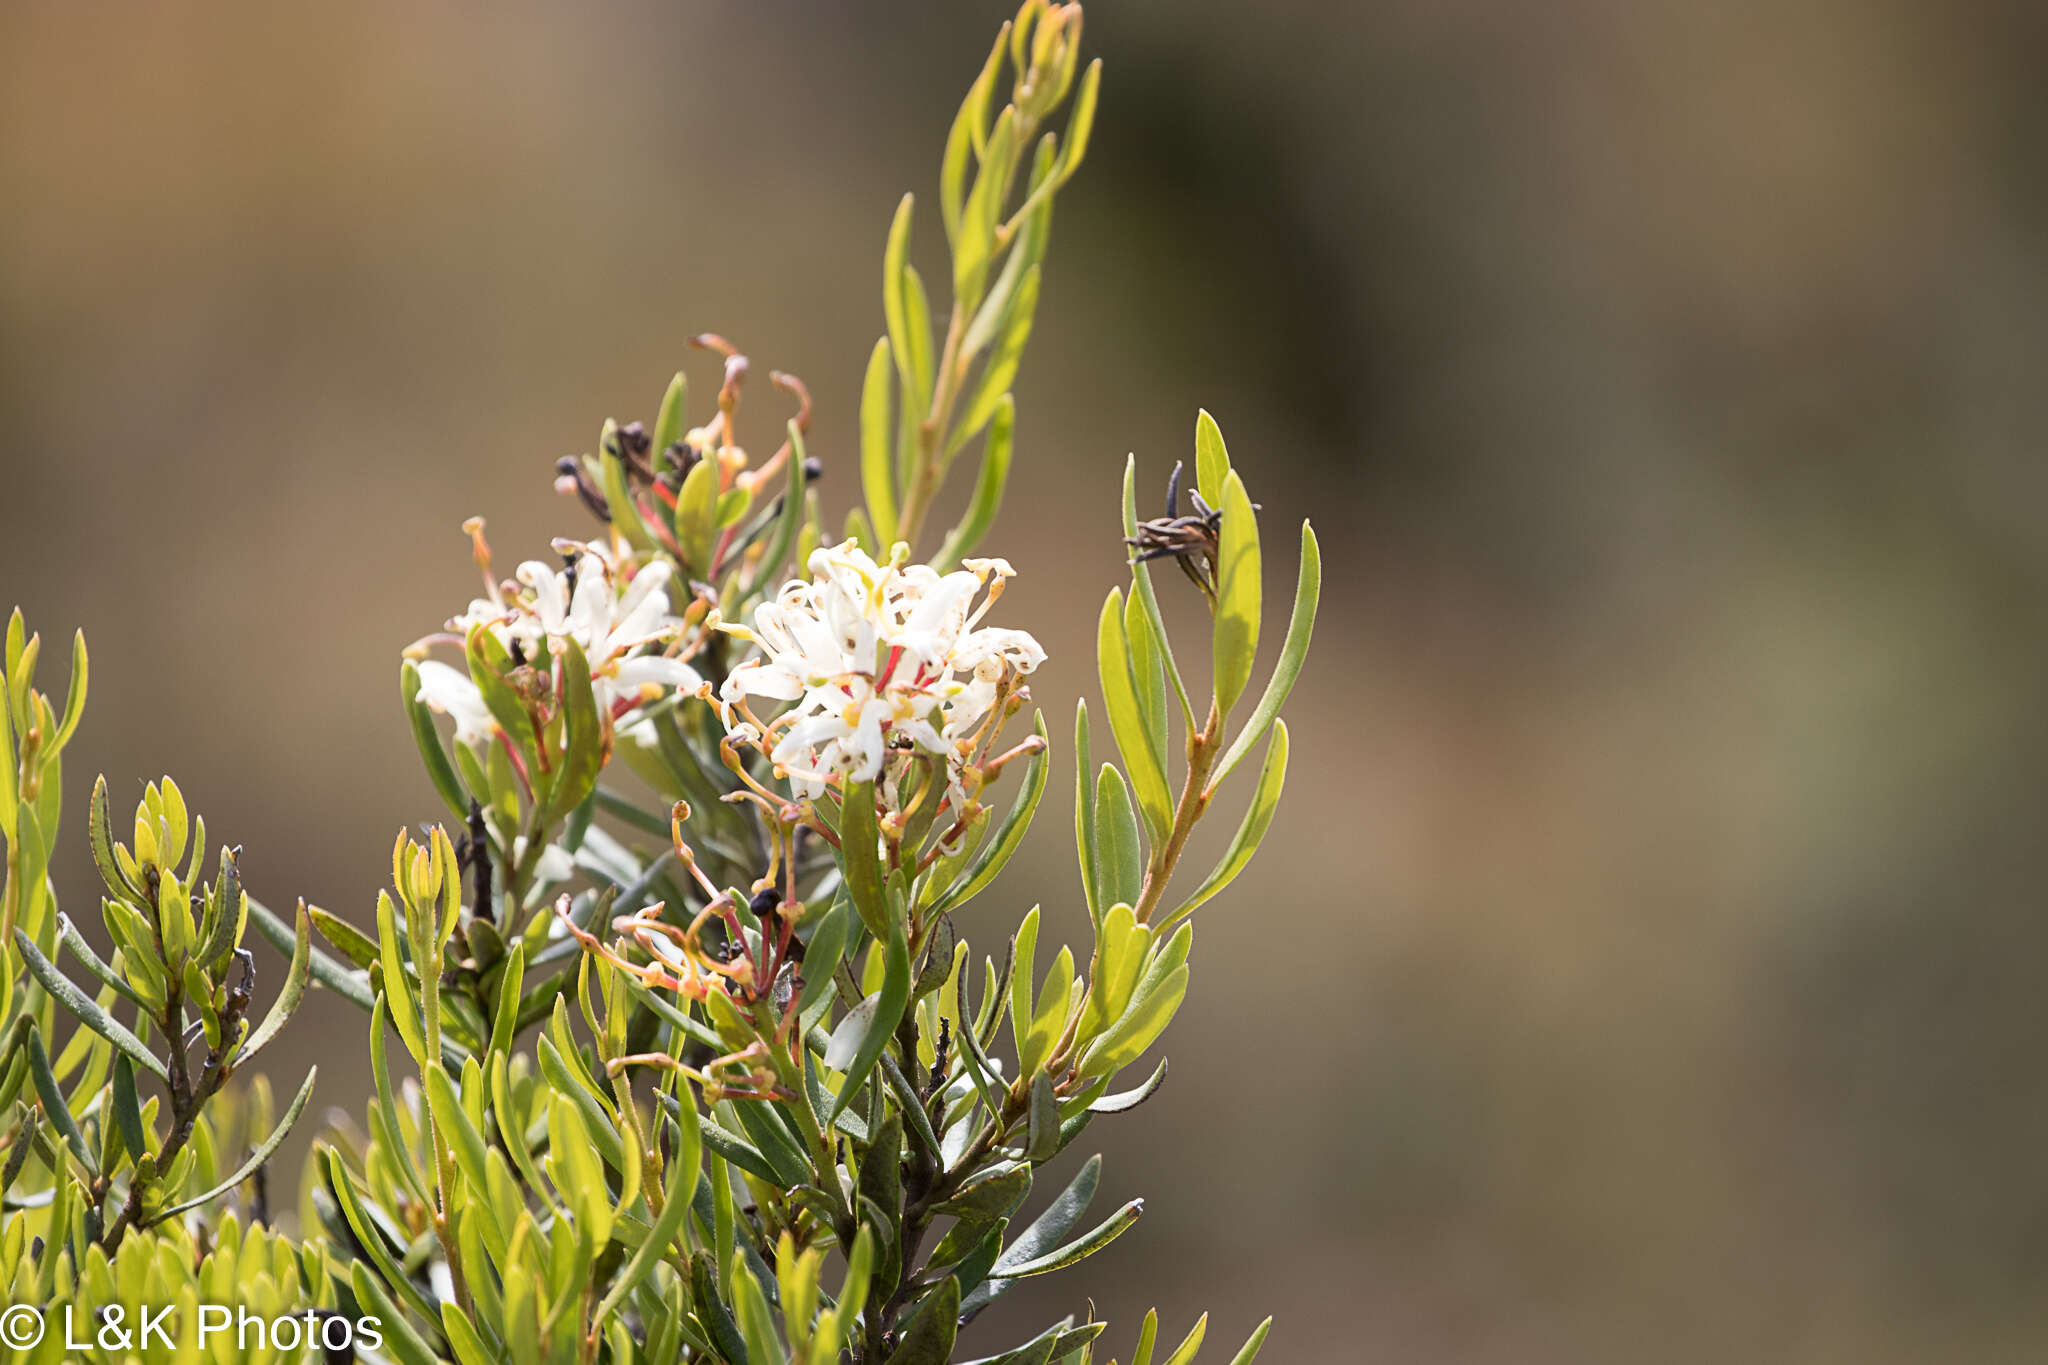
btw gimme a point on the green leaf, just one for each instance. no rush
(1265, 799)
(584, 741)
(697, 515)
(1126, 718)
(456, 1132)
(968, 135)
(1001, 370)
(1119, 861)
(1237, 594)
(469, 1348)
(1075, 1251)
(74, 701)
(488, 663)
(860, 857)
(264, 1151)
(353, 987)
(1148, 672)
(99, 821)
(881, 1168)
(1024, 950)
(399, 1003)
(712, 1312)
(288, 998)
(1185, 1352)
(618, 494)
(987, 498)
(1212, 461)
(55, 1110)
(1117, 964)
(505, 1023)
(877, 471)
(1085, 811)
(756, 1324)
(976, 241)
(1082, 122)
(1300, 625)
(1131, 1099)
(1150, 1012)
(439, 769)
(928, 1340)
(860, 1263)
(671, 419)
(1250, 1350)
(1042, 1137)
(822, 952)
(896, 307)
(888, 1012)
(85, 1009)
(987, 1199)
(401, 1340)
(667, 1230)
(128, 1110)
(74, 942)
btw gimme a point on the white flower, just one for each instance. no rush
(616, 612)
(555, 863)
(876, 657)
(449, 691)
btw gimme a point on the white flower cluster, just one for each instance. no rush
(876, 657)
(610, 608)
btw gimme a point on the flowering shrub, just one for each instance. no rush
(697, 1061)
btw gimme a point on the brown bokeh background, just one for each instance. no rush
(1646, 965)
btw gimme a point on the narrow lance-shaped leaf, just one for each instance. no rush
(1300, 626)
(672, 416)
(860, 856)
(1237, 594)
(1080, 1249)
(85, 1009)
(1250, 1350)
(889, 1006)
(353, 987)
(55, 1110)
(896, 307)
(1212, 459)
(74, 942)
(264, 1151)
(1001, 369)
(584, 741)
(74, 701)
(877, 471)
(1084, 810)
(928, 1340)
(439, 770)
(1126, 718)
(287, 1002)
(1265, 799)
(1119, 861)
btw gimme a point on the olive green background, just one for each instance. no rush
(1645, 966)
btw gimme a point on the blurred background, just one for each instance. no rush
(1647, 965)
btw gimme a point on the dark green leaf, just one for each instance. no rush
(85, 1009)
(929, 1338)
(439, 770)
